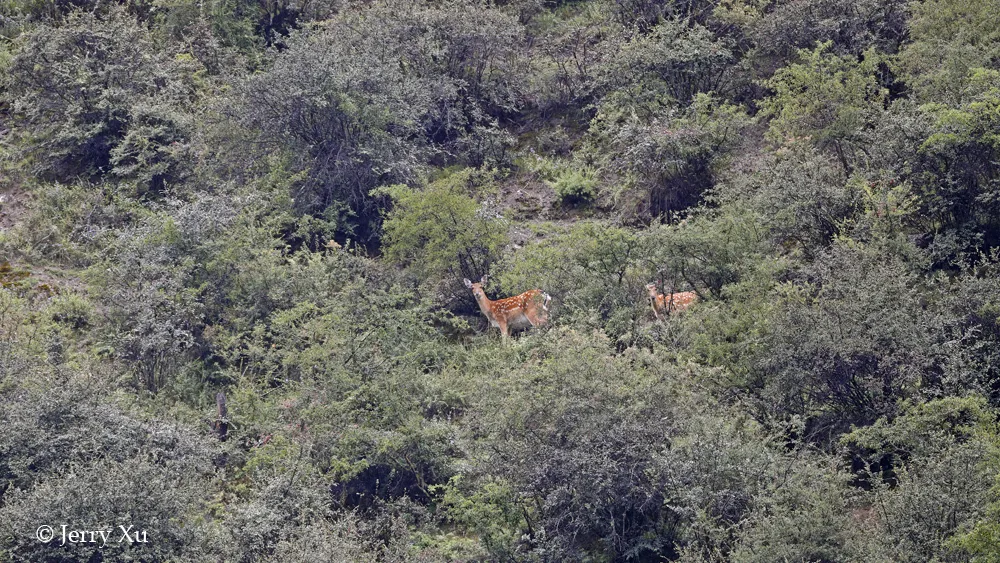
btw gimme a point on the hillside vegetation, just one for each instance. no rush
(273, 204)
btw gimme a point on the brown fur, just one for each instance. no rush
(531, 308)
(671, 302)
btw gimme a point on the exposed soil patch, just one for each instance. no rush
(13, 203)
(46, 281)
(524, 197)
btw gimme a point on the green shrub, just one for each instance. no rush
(71, 454)
(590, 454)
(68, 223)
(829, 99)
(152, 307)
(850, 26)
(809, 517)
(672, 64)
(847, 342)
(799, 200)
(929, 470)
(22, 331)
(575, 185)
(708, 251)
(71, 310)
(948, 39)
(441, 230)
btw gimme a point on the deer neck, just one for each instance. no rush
(484, 305)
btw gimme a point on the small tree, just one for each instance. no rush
(378, 93)
(827, 98)
(441, 230)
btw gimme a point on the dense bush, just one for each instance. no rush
(707, 253)
(930, 467)
(374, 95)
(96, 96)
(849, 341)
(575, 185)
(153, 310)
(829, 99)
(674, 61)
(72, 455)
(799, 198)
(599, 454)
(948, 40)
(850, 26)
(665, 162)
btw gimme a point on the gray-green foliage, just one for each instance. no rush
(928, 469)
(569, 52)
(809, 515)
(675, 61)
(21, 344)
(665, 159)
(829, 99)
(110, 496)
(852, 25)
(71, 454)
(75, 453)
(372, 95)
(348, 539)
(153, 309)
(68, 223)
(798, 200)
(96, 96)
(590, 453)
(849, 342)
(644, 14)
(948, 40)
(707, 252)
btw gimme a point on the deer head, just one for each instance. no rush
(477, 287)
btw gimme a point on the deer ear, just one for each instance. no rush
(483, 281)
(468, 284)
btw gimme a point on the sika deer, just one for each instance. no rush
(530, 309)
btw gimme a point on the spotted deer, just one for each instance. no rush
(529, 309)
(664, 304)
